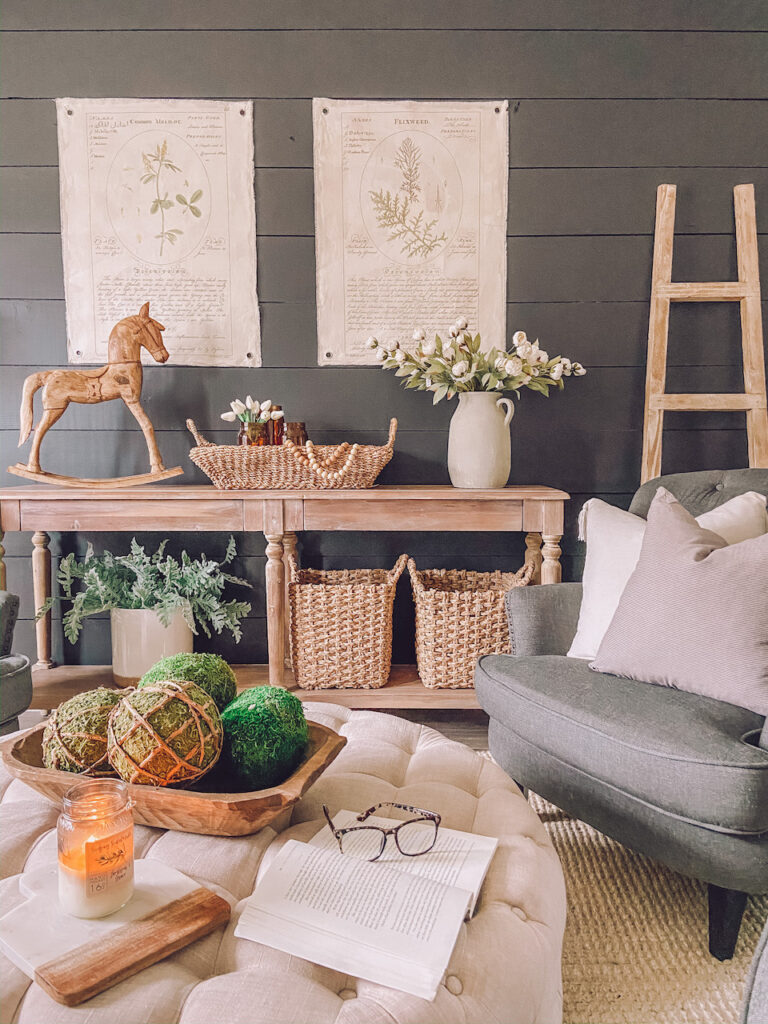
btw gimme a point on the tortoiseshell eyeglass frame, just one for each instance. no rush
(423, 815)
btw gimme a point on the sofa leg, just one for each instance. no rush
(726, 908)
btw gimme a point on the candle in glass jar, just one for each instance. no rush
(95, 838)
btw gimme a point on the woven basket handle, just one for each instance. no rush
(293, 568)
(396, 572)
(392, 432)
(199, 439)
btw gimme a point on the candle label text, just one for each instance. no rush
(108, 861)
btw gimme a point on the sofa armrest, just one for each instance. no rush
(543, 620)
(9, 610)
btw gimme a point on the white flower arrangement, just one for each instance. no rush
(459, 365)
(250, 411)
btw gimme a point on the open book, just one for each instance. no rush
(393, 921)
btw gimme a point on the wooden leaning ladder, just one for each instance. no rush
(745, 291)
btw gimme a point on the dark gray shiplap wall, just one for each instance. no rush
(607, 101)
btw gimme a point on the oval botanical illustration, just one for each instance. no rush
(410, 197)
(158, 197)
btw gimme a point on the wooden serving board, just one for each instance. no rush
(103, 962)
(74, 958)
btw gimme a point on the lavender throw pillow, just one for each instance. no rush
(694, 614)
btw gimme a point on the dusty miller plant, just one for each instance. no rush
(193, 586)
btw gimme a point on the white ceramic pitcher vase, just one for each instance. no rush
(479, 445)
(139, 639)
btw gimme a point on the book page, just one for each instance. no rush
(459, 859)
(364, 919)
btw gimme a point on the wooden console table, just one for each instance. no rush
(279, 515)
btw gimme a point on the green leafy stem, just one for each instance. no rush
(154, 165)
(417, 235)
(158, 581)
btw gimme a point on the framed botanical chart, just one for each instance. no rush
(410, 220)
(157, 204)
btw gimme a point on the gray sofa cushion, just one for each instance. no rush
(690, 756)
(756, 993)
(15, 686)
(703, 491)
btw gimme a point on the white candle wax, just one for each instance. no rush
(95, 886)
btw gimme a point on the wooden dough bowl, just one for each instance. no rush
(185, 810)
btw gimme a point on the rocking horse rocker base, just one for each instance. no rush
(105, 483)
(121, 378)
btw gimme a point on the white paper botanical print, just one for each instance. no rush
(410, 220)
(157, 205)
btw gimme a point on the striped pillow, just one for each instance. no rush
(694, 614)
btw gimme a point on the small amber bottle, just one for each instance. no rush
(278, 425)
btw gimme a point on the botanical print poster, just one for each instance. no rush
(157, 205)
(410, 221)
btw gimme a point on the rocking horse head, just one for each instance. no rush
(134, 333)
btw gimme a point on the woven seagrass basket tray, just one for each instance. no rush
(460, 615)
(341, 625)
(289, 466)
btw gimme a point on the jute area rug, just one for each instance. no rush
(636, 938)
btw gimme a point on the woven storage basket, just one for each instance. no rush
(341, 626)
(459, 616)
(286, 466)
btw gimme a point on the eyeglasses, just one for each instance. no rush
(366, 842)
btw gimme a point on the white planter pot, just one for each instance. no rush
(479, 446)
(139, 639)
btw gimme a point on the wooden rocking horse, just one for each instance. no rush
(122, 378)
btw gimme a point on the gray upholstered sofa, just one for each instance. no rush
(681, 778)
(756, 993)
(15, 673)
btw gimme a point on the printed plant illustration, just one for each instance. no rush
(402, 215)
(156, 166)
(189, 204)
(406, 223)
(408, 160)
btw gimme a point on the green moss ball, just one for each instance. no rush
(75, 736)
(209, 671)
(167, 733)
(265, 738)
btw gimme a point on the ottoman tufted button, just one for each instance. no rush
(719, 487)
(453, 984)
(520, 913)
(347, 993)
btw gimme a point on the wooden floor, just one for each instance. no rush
(455, 713)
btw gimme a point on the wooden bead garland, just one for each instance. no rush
(321, 467)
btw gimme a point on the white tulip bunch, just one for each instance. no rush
(458, 365)
(251, 411)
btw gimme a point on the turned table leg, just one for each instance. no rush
(41, 586)
(290, 545)
(275, 576)
(551, 570)
(533, 554)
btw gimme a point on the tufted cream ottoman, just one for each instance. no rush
(505, 968)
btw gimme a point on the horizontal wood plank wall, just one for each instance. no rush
(607, 101)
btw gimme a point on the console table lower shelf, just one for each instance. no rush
(404, 690)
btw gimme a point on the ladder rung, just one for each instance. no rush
(706, 403)
(704, 291)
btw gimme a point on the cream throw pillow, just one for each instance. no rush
(694, 614)
(614, 538)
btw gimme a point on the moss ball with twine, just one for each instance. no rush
(75, 736)
(265, 738)
(209, 671)
(165, 734)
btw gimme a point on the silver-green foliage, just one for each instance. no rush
(193, 586)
